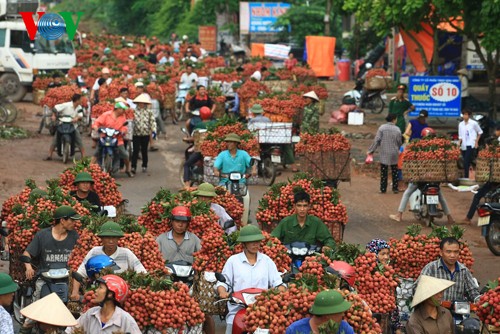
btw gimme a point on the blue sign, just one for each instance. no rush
(263, 15)
(440, 96)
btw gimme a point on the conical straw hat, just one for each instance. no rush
(50, 310)
(312, 95)
(143, 98)
(427, 287)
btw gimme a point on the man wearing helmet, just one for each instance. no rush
(303, 227)
(83, 182)
(206, 192)
(109, 317)
(110, 233)
(114, 119)
(400, 107)
(106, 79)
(178, 244)
(248, 269)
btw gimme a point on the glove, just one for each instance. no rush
(154, 135)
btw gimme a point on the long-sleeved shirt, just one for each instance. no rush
(144, 122)
(91, 322)
(123, 257)
(389, 139)
(468, 133)
(6, 326)
(314, 231)
(240, 274)
(465, 287)
(236, 107)
(421, 322)
(109, 120)
(303, 326)
(223, 217)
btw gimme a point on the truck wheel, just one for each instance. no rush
(12, 87)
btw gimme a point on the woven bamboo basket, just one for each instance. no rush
(488, 170)
(331, 165)
(204, 293)
(277, 85)
(220, 110)
(337, 230)
(430, 170)
(38, 95)
(169, 101)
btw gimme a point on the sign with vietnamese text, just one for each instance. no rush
(207, 35)
(263, 15)
(440, 96)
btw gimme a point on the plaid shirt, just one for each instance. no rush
(465, 287)
(144, 122)
(389, 139)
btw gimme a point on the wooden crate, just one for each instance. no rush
(430, 170)
(488, 170)
(331, 165)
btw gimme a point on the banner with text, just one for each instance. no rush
(260, 17)
(440, 96)
(207, 35)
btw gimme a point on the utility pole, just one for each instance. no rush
(327, 17)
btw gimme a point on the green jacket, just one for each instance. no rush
(398, 108)
(310, 119)
(314, 231)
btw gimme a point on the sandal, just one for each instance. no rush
(129, 173)
(395, 217)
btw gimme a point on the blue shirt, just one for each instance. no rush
(236, 107)
(416, 129)
(302, 327)
(226, 163)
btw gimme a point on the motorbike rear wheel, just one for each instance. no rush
(181, 173)
(66, 151)
(10, 111)
(20, 302)
(107, 164)
(376, 104)
(268, 172)
(492, 236)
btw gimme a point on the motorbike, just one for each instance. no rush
(8, 111)
(240, 190)
(369, 99)
(424, 202)
(65, 138)
(55, 280)
(195, 171)
(243, 298)
(298, 251)
(461, 312)
(489, 221)
(108, 145)
(180, 100)
(47, 122)
(266, 165)
(181, 271)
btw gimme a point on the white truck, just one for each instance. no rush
(20, 58)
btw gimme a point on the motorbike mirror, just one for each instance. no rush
(25, 259)
(184, 130)
(3, 232)
(103, 213)
(228, 224)
(79, 278)
(288, 277)
(220, 277)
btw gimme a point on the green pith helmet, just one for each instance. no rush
(250, 233)
(7, 285)
(205, 190)
(329, 302)
(110, 229)
(65, 211)
(83, 177)
(233, 137)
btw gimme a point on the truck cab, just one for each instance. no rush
(20, 58)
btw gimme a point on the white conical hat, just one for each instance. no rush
(312, 95)
(50, 310)
(427, 287)
(121, 99)
(143, 98)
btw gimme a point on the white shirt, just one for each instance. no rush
(164, 60)
(187, 80)
(223, 217)
(66, 109)
(468, 133)
(90, 322)
(192, 59)
(464, 81)
(123, 257)
(96, 84)
(240, 274)
(6, 326)
(256, 75)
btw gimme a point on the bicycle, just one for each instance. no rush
(8, 111)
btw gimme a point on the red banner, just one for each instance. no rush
(207, 36)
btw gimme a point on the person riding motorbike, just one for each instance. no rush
(84, 182)
(206, 192)
(7, 289)
(71, 109)
(303, 227)
(114, 119)
(329, 305)
(248, 269)
(110, 233)
(109, 317)
(193, 157)
(233, 160)
(412, 187)
(201, 99)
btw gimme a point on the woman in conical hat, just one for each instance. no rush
(429, 316)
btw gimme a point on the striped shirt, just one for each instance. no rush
(123, 257)
(465, 287)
